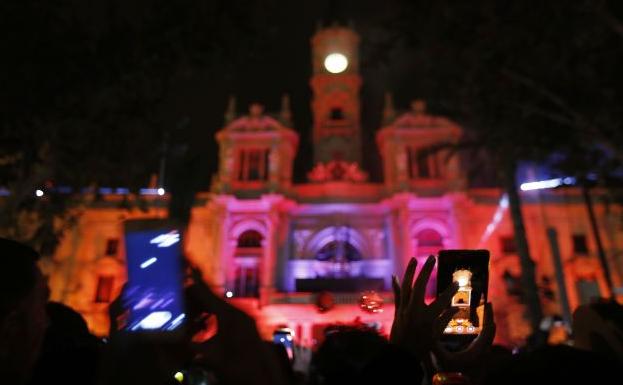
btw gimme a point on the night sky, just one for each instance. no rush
(283, 65)
(70, 62)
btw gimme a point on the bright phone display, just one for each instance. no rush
(284, 337)
(154, 293)
(469, 269)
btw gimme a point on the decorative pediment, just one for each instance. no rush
(414, 120)
(254, 123)
(337, 170)
(416, 117)
(256, 120)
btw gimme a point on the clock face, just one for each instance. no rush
(335, 63)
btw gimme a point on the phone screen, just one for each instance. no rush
(285, 338)
(470, 270)
(154, 293)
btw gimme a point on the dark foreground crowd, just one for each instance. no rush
(43, 342)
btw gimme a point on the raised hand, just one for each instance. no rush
(469, 360)
(236, 353)
(413, 319)
(302, 359)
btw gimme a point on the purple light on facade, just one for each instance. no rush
(547, 183)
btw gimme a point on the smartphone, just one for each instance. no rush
(285, 337)
(469, 269)
(154, 294)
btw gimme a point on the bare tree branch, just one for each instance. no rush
(588, 128)
(543, 91)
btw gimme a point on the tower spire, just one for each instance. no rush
(388, 110)
(286, 114)
(230, 112)
(418, 106)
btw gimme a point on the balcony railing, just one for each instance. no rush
(310, 298)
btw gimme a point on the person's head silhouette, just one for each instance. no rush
(23, 296)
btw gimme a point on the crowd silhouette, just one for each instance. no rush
(47, 342)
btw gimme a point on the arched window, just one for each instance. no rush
(336, 258)
(337, 114)
(248, 254)
(253, 165)
(423, 164)
(247, 281)
(338, 250)
(250, 239)
(429, 238)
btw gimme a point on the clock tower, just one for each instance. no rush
(335, 84)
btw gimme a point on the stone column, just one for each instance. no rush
(229, 265)
(274, 167)
(267, 286)
(402, 164)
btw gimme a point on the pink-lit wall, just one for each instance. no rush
(460, 219)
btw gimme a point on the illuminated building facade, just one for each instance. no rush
(273, 245)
